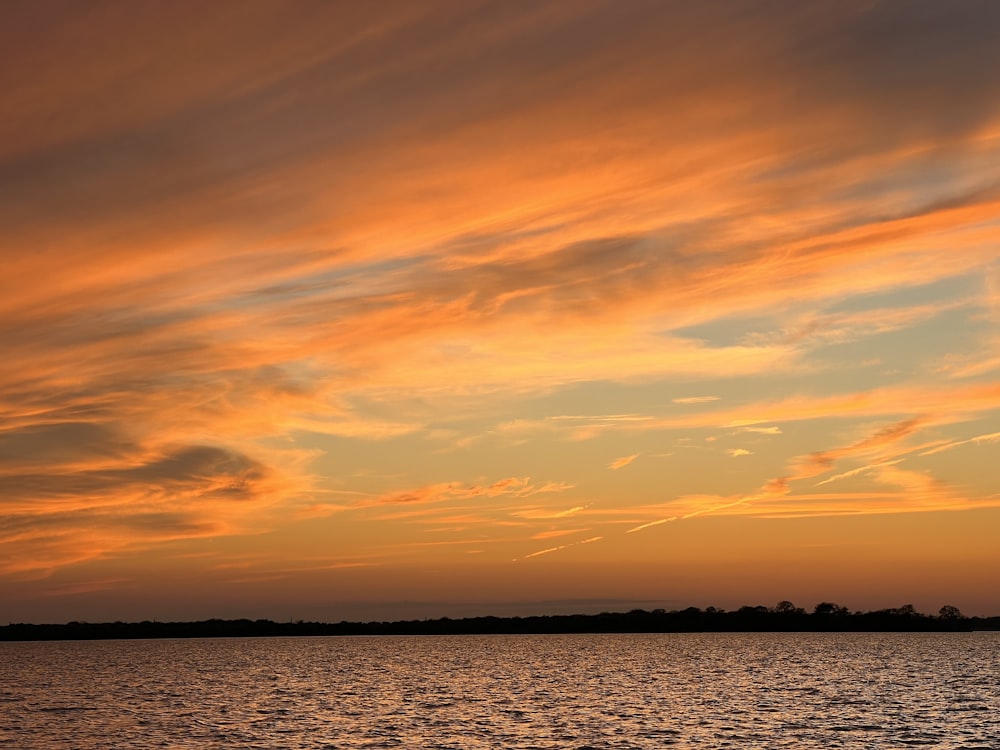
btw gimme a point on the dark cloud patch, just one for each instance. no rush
(65, 514)
(588, 278)
(60, 528)
(196, 472)
(584, 276)
(56, 444)
(168, 524)
(926, 66)
(221, 471)
(78, 322)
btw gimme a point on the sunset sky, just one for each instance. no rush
(354, 310)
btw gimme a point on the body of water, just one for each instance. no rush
(607, 692)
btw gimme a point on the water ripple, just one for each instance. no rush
(578, 692)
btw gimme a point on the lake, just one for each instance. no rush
(690, 690)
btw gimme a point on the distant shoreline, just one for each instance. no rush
(826, 618)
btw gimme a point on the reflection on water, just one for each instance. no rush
(721, 690)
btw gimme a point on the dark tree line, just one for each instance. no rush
(783, 617)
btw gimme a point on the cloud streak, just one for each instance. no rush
(550, 550)
(519, 487)
(620, 463)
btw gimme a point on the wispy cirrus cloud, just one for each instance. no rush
(520, 487)
(769, 430)
(546, 513)
(620, 463)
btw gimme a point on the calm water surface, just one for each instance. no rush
(731, 690)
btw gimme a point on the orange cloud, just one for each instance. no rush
(519, 487)
(619, 463)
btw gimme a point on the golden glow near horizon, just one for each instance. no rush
(328, 309)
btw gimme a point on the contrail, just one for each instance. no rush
(651, 523)
(564, 546)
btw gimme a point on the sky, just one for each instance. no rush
(336, 310)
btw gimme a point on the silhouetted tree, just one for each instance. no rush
(949, 612)
(825, 609)
(785, 607)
